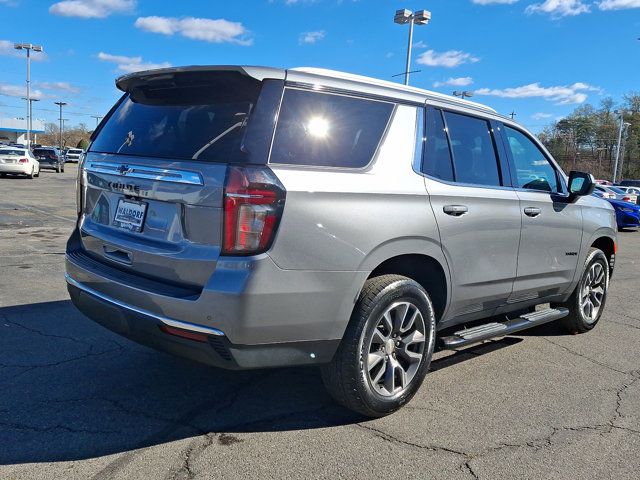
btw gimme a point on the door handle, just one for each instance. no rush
(532, 211)
(455, 210)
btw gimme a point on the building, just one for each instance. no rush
(14, 130)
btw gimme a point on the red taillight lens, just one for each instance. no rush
(626, 199)
(253, 203)
(23, 160)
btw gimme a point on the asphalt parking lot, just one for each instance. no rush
(77, 401)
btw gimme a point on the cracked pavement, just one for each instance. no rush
(80, 402)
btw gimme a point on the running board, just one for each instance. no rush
(469, 336)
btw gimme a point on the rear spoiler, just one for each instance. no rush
(128, 82)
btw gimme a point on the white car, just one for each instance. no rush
(18, 161)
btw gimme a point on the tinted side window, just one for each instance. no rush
(437, 157)
(328, 130)
(474, 154)
(533, 170)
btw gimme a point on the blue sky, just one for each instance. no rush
(539, 58)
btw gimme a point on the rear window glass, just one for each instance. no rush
(186, 116)
(474, 154)
(437, 157)
(10, 152)
(44, 151)
(328, 130)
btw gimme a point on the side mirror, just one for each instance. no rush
(580, 184)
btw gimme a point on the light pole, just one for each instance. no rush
(463, 94)
(615, 165)
(421, 17)
(30, 117)
(61, 104)
(36, 48)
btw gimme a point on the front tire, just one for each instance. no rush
(386, 349)
(587, 301)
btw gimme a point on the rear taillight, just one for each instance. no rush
(23, 160)
(626, 199)
(253, 204)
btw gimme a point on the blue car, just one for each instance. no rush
(627, 214)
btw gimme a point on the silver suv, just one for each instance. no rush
(253, 217)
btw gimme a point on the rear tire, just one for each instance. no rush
(58, 169)
(32, 174)
(587, 301)
(386, 349)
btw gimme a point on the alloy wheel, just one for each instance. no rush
(396, 348)
(592, 292)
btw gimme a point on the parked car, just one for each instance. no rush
(630, 183)
(603, 191)
(603, 182)
(18, 161)
(73, 155)
(622, 194)
(50, 157)
(251, 217)
(627, 214)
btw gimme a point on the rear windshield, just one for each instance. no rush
(43, 151)
(4, 151)
(191, 116)
(72, 150)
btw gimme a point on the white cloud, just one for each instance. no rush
(18, 91)
(131, 64)
(455, 82)
(618, 4)
(311, 37)
(419, 44)
(91, 8)
(559, 8)
(449, 59)
(493, 2)
(59, 86)
(207, 29)
(561, 95)
(541, 116)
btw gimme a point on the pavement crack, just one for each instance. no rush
(393, 439)
(589, 359)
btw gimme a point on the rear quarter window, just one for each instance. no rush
(328, 130)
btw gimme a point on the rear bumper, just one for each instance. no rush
(16, 168)
(145, 328)
(261, 315)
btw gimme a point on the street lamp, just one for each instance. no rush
(615, 165)
(61, 104)
(30, 109)
(404, 16)
(463, 94)
(36, 48)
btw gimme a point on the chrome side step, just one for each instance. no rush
(469, 336)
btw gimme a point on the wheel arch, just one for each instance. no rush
(425, 270)
(608, 245)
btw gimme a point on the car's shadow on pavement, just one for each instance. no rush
(71, 390)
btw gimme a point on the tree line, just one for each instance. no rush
(587, 139)
(73, 137)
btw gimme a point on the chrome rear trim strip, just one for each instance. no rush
(144, 172)
(167, 321)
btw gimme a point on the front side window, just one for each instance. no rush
(533, 170)
(328, 130)
(474, 153)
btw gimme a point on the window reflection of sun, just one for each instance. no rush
(318, 127)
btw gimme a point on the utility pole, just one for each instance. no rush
(98, 118)
(60, 104)
(36, 48)
(624, 145)
(403, 16)
(615, 165)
